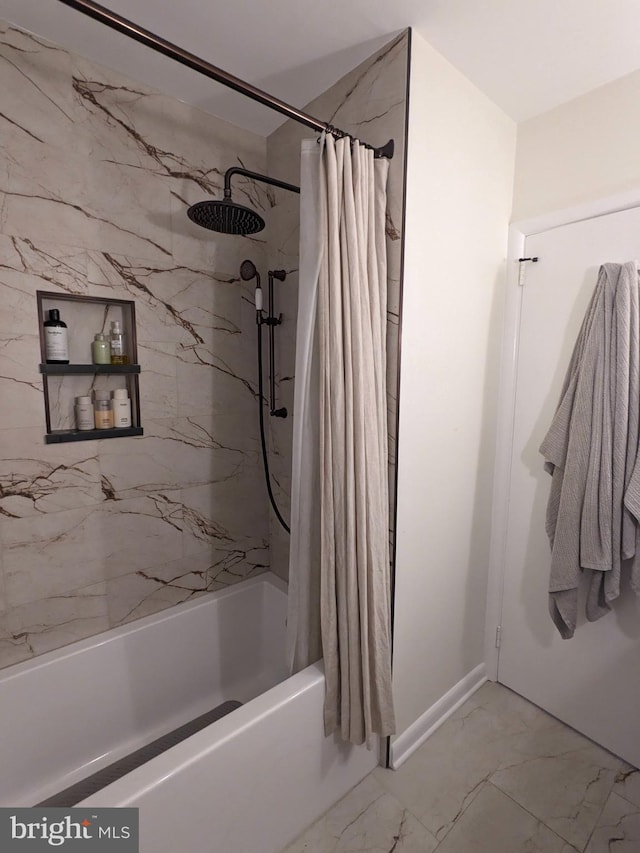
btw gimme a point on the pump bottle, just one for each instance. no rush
(56, 345)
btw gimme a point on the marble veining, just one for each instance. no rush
(34, 72)
(456, 774)
(369, 76)
(618, 829)
(41, 626)
(95, 177)
(31, 486)
(552, 772)
(627, 785)
(367, 819)
(161, 162)
(64, 271)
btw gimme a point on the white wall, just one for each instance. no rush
(580, 151)
(459, 189)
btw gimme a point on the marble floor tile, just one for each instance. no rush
(500, 776)
(627, 785)
(567, 789)
(618, 830)
(493, 823)
(367, 819)
(438, 796)
(494, 728)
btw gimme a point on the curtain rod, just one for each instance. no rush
(128, 28)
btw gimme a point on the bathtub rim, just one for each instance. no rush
(113, 634)
(180, 757)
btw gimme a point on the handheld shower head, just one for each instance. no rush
(248, 271)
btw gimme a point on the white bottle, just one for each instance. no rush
(121, 405)
(84, 413)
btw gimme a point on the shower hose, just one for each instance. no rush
(265, 458)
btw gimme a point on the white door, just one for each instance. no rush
(592, 681)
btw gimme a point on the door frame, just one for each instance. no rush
(518, 233)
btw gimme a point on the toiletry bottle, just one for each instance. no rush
(101, 350)
(56, 345)
(84, 413)
(118, 349)
(121, 405)
(102, 412)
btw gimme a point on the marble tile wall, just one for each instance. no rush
(96, 172)
(369, 102)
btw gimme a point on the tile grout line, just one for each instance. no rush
(482, 784)
(473, 793)
(601, 812)
(536, 818)
(633, 771)
(405, 810)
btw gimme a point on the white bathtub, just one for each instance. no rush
(249, 782)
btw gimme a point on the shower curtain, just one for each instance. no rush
(339, 583)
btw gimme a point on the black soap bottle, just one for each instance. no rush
(56, 345)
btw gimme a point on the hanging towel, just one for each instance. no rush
(591, 452)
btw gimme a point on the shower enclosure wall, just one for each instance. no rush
(96, 175)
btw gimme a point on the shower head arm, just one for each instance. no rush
(256, 176)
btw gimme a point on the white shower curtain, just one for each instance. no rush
(339, 594)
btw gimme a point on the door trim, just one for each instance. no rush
(518, 233)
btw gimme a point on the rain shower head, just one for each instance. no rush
(226, 217)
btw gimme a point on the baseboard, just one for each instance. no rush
(417, 733)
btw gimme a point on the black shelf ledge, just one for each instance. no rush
(64, 369)
(61, 435)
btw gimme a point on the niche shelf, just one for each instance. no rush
(98, 369)
(85, 316)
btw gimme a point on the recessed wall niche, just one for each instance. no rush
(86, 316)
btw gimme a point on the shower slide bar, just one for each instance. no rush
(128, 28)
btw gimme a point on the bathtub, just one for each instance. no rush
(248, 783)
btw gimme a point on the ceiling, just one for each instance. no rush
(526, 55)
